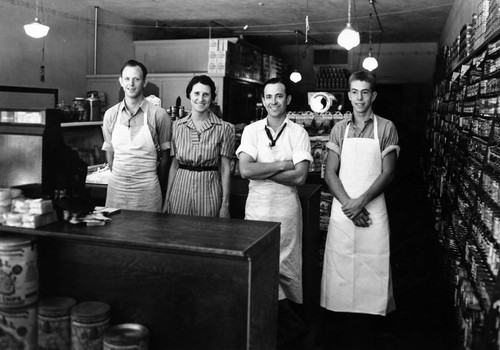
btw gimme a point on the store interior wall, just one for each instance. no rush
(69, 49)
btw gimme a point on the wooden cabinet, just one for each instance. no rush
(194, 282)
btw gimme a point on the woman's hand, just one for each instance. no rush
(224, 209)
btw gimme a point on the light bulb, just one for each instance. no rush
(348, 38)
(295, 76)
(370, 63)
(36, 29)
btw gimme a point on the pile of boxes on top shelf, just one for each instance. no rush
(484, 24)
(18, 211)
(227, 57)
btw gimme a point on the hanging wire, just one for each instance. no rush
(370, 36)
(307, 19)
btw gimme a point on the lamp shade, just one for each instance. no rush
(348, 38)
(295, 76)
(36, 29)
(370, 63)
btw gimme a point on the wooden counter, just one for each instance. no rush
(195, 283)
(310, 197)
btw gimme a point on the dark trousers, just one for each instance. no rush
(292, 330)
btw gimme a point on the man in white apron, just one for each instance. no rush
(362, 150)
(134, 130)
(275, 154)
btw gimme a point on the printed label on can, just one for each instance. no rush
(18, 329)
(88, 336)
(54, 333)
(18, 276)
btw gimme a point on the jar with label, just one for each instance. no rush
(80, 109)
(89, 320)
(18, 328)
(127, 336)
(54, 323)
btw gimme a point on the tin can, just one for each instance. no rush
(18, 271)
(89, 320)
(18, 328)
(127, 336)
(54, 323)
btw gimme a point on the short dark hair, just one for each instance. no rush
(202, 79)
(364, 76)
(276, 81)
(134, 63)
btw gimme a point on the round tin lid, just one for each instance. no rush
(13, 240)
(125, 334)
(55, 306)
(90, 311)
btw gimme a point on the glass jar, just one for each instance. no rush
(54, 323)
(89, 320)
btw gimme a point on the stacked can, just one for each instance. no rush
(89, 320)
(18, 292)
(54, 324)
(127, 336)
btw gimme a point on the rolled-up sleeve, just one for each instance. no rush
(248, 143)
(302, 148)
(228, 135)
(164, 129)
(107, 129)
(334, 141)
(390, 140)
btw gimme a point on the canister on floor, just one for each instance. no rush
(18, 271)
(127, 336)
(54, 323)
(89, 320)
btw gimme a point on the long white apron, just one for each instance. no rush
(356, 270)
(134, 182)
(270, 201)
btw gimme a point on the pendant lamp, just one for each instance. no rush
(296, 76)
(36, 29)
(370, 63)
(349, 37)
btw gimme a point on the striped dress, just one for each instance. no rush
(193, 192)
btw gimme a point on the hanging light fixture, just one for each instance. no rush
(296, 76)
(349, 37)
(36, 29)
(370, 63)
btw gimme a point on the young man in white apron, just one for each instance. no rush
(134, 130)
(362, 150)
(275, 154)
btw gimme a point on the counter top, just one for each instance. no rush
(166, 232)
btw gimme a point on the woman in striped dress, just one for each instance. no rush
(202, 147)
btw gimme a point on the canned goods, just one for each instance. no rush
(18, 328)
(89, 320)
(18, 271)
(127, 336)
(54, 323)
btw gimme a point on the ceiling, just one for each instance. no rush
(271, 22)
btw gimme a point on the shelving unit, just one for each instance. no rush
(463, 135)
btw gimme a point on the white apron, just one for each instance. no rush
(356, 270)
(134, 182)
(270, 201)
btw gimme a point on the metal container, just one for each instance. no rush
(89, 320)
(18, 328)
(94, 106)
(54, 323)
(127, 336)
(18, 271)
